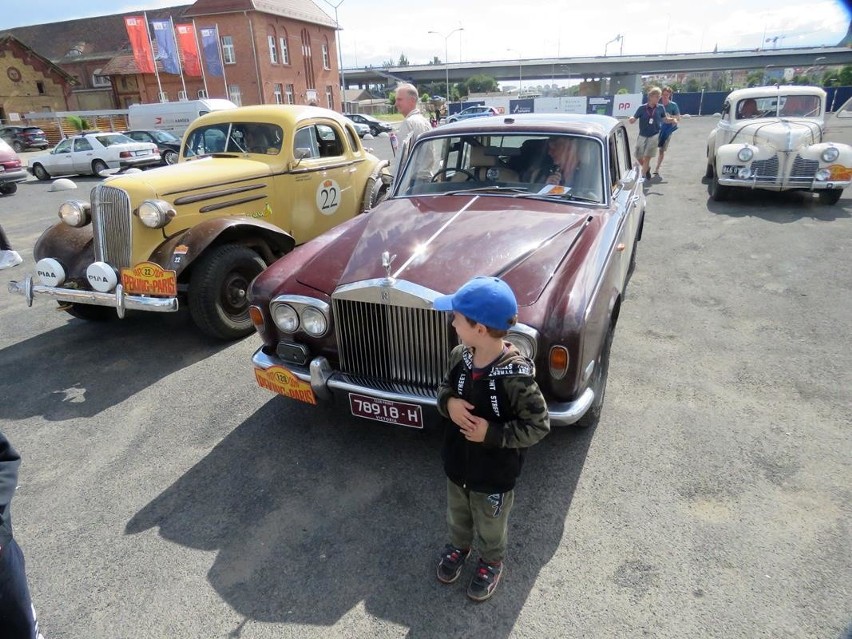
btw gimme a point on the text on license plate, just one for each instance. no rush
(385, 410)
(730, 169)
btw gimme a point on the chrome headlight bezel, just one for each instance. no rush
(525, 339)
(745, 154)
(155, 214)
(830, 154)
(75, 213)
(314, 321)
(301, 314)
(285, 317)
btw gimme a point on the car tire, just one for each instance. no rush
(830, 196)
(718, 192)
(8, 189)
(19, 148)
(598, 385)
(218, 288)
(374, 131)
(98, 166)
(708, 172)
(40, 172)
(89, 312)
(170, 157)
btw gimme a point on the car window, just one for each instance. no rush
(800, 106)
(330, 143)
(139, 136)
(206, 140)
(164, 136)
(112, 138)
(353, 140)
(63, 147)
(82, 144)
(305, 141)
(255, 137)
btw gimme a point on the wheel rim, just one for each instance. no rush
(39, 171)
(98, 166)
(170, 157)
(18, 147)
(234, 292)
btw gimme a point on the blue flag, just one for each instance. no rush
(210, 49)
(166, 45)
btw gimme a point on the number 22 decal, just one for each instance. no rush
(328, 197)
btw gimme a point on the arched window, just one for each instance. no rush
(326, 60)
(282, 45)
(271, 42)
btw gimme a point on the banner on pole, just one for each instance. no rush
(210, 48)
(166, 46)
(138, 34)
(188, 47)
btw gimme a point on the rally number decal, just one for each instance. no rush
(328, 197)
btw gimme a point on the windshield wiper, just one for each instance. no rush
(490, 189)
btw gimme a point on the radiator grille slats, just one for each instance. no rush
(392, 347)
(112, 226)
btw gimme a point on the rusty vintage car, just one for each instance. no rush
(250, 184)
(350, 312)
(774, 138)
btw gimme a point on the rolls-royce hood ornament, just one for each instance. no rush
(387, 260)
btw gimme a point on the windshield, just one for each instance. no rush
(164, 136)
(568, 167)
(234, 137)
(785, 106)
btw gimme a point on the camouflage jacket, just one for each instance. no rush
(508, 397)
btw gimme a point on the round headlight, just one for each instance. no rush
(285, 317)
(155, 214)
(745, 154)
(524, 343)
(822, 175)
(314, 322)
(744, 173)
(830, 154)
(75, 213)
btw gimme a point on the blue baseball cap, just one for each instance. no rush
(487, 300)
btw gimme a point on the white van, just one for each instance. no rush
(173, 116)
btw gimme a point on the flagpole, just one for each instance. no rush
(177, 55)
(200, 58)
(154, 58)
(222, 58)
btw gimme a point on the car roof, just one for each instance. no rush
(292, 114)
(782, 90)
(545, 123)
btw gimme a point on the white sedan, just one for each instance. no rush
(93, 153)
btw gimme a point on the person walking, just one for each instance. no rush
(413, 125)
(493, 411)
(8, 257)
(667, 128)
(651, 116)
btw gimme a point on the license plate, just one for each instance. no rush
(279, 380)
(385, 410)
(730, 169)
(149, 278)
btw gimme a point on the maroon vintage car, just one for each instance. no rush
(553, 204)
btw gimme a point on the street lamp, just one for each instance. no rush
(520, 71)
(618, 38)
(447, 55)
(339, 54)
(814, 66)
(765, 72)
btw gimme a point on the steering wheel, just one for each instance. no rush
(470, 176)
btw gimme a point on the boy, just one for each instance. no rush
(667, 128)
(495, 411)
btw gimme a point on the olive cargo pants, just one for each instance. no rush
(480, 520)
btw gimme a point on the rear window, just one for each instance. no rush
(33, 130)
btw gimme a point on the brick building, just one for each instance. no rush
(29, 81)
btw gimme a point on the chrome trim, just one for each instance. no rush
(397, 291)
(299, 303)
(324, 379)
(209, 195)
(118, 300)
(112, 228)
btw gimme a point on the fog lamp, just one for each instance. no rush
(744, 173)
(50, 271)
(101, 277)
(822, 175)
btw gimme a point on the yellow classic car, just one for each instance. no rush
(251, 184)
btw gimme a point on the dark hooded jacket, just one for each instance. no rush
(9, 462)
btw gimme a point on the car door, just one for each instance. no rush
(60, 162)
(838, 126)
(82, 155)
(322, 169)
(628, 199)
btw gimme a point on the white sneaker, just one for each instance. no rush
(8, 259)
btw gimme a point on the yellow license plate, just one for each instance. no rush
(149, 278)
(279, 380)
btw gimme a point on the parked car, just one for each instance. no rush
(12, 170)
(838, 125)
(92, 154)
(251, 184)
(350, 313)
(361, 129)
(477, 111)
(376, 125)
(774, 138)
(167, 143)
(22, 138)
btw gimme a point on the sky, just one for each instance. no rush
(374, 31)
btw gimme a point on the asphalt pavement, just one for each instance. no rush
(163, 494)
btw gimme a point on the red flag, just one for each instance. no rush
(137, 31)
(188, 47)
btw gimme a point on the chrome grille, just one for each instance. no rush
(392, 347)
(112, 228)
(765, 170)
(804, 170)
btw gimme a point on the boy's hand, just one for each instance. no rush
(475, 432)
(459, 411)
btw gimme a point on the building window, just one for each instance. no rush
(40, 87)
(326, 63)
(229, 54)
(290, 94)
(285, 53)
(99, 80)
(234, 94)
(273, 52)
(329, 97)
(278, 92)
(310, 81)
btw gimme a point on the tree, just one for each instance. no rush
(387, 64)
(693, 85)
(79, 122)
(755, 78)
(845, 76)
(435, 61)
(403, 61)
(480, 83)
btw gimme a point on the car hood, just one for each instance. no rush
(183, 177)
(782, 134)
(441, 242)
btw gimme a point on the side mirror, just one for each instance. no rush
(300, 154)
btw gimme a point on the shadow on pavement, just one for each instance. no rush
(313, 516)
(781, 207)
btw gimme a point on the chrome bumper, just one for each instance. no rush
(118, 299)
(788, 185)
(323, 380)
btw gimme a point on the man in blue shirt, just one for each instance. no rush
(668, 128)
(651, 116)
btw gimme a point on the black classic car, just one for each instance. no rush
(552, 204)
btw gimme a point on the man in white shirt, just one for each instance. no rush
(414, 123)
